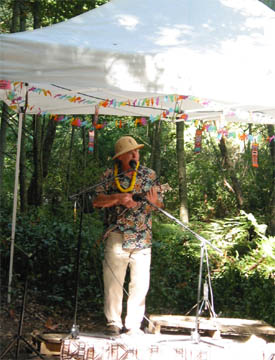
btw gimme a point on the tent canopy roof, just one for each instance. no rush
(219, 54)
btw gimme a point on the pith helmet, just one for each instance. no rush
(125, 144)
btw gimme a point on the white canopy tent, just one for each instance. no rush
(219, 54)
(209, 59)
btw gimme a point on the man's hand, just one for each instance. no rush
(152, 197)
(126, 200)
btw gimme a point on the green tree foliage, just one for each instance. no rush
(242, 277)
(269, 3)
(48, 11)
(51, 231)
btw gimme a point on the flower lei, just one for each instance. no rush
(133, 181)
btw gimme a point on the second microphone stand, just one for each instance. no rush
(195, 336)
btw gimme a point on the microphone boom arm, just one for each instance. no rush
(72, 197)
(199, 237)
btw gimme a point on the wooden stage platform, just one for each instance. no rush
(163, 347)
(238, 339)
(226, 326)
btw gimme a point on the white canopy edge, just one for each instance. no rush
(55, 100)
(219, 50)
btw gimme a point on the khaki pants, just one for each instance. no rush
(116, 261)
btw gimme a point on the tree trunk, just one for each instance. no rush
(68, 175)
(15, 16)
(3, 137)
(84, 146)
(156, 147)
(93, 3)
(184, 216)
(47, 145)
(271, 221)
(36, 12)
(231, 171)
(35, 188)
(23, 12)
(42, 146)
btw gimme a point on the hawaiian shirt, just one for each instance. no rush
(136, 223)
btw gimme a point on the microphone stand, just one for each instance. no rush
(75, 327)
(195, 337)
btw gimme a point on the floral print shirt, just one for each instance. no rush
(136, 223)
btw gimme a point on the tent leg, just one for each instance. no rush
(15, 193)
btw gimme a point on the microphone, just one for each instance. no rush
(133, 164)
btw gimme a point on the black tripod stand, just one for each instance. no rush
(75, 327)
(19, 337)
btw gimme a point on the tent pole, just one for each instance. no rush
(15, 201)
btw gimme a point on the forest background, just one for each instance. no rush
(217, 189)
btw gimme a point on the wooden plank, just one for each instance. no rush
(224, 325)
(48, 343)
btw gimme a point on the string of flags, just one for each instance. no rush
(91, 144)
(254, 147)
(5, 85)
(156, 102)
(16, 101)
(255, 155)
(209, 126)
(198, 141)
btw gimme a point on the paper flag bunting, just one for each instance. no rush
(255, 155)
(76, 122)
(5, 85)
(91, 141)
(16, 101)
(198, 141)
(140, 121)
(143, 121)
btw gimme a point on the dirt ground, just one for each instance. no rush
(38, 319)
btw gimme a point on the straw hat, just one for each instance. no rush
(125, 144)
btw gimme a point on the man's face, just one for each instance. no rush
(127, 157)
